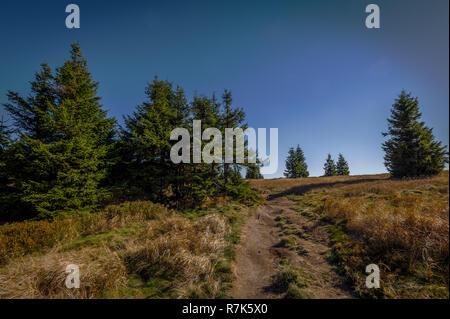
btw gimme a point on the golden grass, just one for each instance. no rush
(299, 185)
(160, 247)
(400, 225)
(22, 238)
(44, 276)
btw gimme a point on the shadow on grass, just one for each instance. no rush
(302, 189)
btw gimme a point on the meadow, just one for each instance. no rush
(140, 249)
(132, 250)
(401, 225)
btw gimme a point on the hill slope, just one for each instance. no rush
(312, 238)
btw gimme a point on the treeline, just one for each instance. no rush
(63, 153)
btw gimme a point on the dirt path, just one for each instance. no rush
(261, 249)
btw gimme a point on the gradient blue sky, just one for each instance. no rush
(309, 68)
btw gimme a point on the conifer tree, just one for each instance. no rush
(4, 136)
(301, 168)
(145, 148)
(32, 115)
(204, 177)
(411, 149)
(4, 142)
(253, 169)
(230, 118)
(60, 158)
(329, 167)
(342, 166)
(295, 164)
(290, 164)
(146, 139)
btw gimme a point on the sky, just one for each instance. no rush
(309, 68)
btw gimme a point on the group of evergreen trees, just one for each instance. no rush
(64, 153)
(333, 169)
(410, 151)
(296, 165)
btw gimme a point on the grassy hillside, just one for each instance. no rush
(400, 225)
(144, 250)
(133, 250)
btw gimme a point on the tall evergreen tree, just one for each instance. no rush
(301, 167)
(60, 158)
(230, 118)
(329, 167)
(295, 164)
(342, 166)
(289, 172)
(411, 149)
(204, 177)
(146, 138)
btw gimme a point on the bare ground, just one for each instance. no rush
(259, 254)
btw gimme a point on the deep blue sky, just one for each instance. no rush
(309, 68)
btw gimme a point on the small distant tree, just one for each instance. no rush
(253, 169)
(342, 166)
(411, 149)
(296, 164)
(253, 172)
(329, 167)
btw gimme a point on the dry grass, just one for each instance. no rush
(400, 225)
(168, 255)
(44, 276)
(288, 186)
(20, 239)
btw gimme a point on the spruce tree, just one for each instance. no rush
(295, 164)
(342, 166)
(230, 118)
(4, 136)
(146, 139)
(61, 156)
(253, 172)
(301, 168)
(289, 171)
(253, 169)
(32, 116)
(411, 149)
(203, 176)
(329, 167)
(4, 142)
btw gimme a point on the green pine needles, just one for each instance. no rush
(411, 149)
(296, 164)
(59, 159)
(67, 155)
